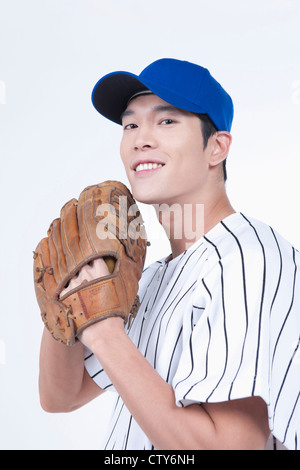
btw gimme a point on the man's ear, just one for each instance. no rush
(220, 145)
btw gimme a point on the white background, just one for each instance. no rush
(53, 144)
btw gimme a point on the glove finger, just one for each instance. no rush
(44, 279)
(57, 255)
(87, 222)
(38, 261)
(98, 218)
(70, 235)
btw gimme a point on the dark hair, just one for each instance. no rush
(209, 129)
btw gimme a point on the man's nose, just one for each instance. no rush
(145, 139)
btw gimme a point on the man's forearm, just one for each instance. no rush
(237, 424)
(148, 397)
(61, 374)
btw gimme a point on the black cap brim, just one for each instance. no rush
(111, 94)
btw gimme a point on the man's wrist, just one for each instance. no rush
(102, 332)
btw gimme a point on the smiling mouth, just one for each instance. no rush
(148, 166)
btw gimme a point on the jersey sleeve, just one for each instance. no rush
(241, 336)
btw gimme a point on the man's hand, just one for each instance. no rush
(96, 269)
(100, 225)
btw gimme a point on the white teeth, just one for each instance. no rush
(148, 166)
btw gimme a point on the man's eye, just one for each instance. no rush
(167, 121)
(130, 126)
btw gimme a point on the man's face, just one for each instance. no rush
(162, 151)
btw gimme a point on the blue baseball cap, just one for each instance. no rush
(180, 83)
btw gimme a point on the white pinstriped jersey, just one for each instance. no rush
(220, 322)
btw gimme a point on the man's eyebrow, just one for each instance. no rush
(130, 112)
(166, 107)
(157, 109)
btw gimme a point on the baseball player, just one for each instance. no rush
(209, 354)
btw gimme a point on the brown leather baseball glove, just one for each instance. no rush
(103, 223)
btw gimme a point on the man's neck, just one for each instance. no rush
(187, 223)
